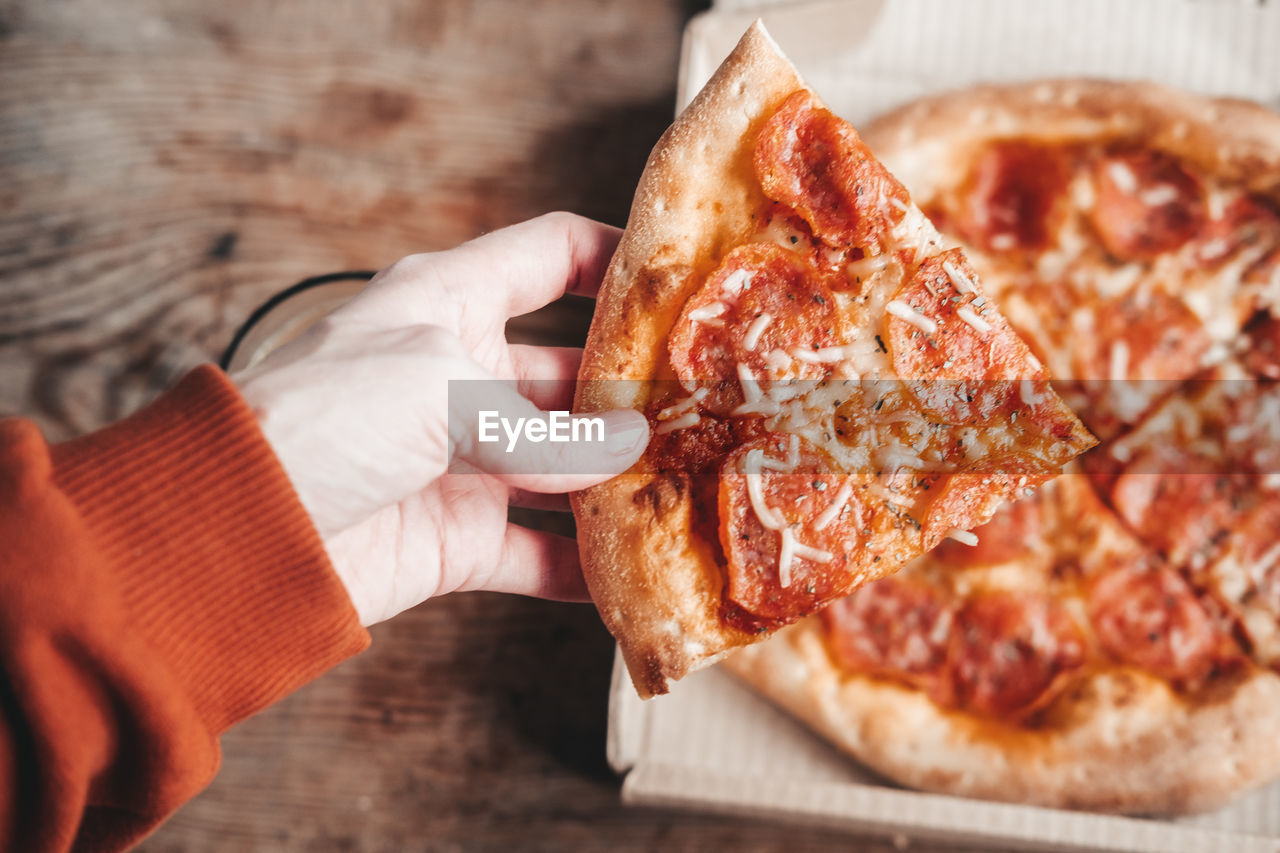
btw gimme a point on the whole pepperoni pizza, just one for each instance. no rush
(831, 390)
(1113, 641)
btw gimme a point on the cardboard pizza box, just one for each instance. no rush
(712, 744)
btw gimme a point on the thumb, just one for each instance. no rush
(495, 429)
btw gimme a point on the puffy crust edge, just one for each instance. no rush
(657, 588)
(928, 143)
(1121, 741)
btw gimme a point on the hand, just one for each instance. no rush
(385, 458)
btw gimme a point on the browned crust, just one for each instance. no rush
(1124, 742)
(654, 584)
(928, 144)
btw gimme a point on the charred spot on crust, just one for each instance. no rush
(663, 493)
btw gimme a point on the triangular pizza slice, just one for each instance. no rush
(831, 392)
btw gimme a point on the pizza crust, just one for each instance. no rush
(657, 591)
(928, 144)
(1127, 743)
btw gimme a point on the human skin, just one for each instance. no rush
(385, 459)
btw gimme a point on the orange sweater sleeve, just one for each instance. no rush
(159, 581)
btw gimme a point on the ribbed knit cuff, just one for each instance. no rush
(219, 564)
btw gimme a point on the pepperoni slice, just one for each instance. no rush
(1263, 356)
(1012, 197)
(893, 627)
(1160, 337)
(1005, 537)
(1247, 224)
(1150, 618)
(811, 160)
(970, 497)
(760, 305)
(700, 448)
(1009, 652)
(1167, 498)
(964, 382)
(1147, 204)
(789, 522)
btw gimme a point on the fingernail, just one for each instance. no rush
(626, 431)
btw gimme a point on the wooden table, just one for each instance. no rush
(166, 166)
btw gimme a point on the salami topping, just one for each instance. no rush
(894, 627)
(1152, 335)
(811, 160)
(742, 329)
(1007, 536)
(1245, 225)
(1147, 204)
(1150, 618)
(1263, 356)
(1013, 192)
(789, 521)
(1009, 651)
(1166, 498)
(962, 380)
(971, 497)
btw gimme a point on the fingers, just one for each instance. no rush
(538, 261)
(495, 429)
(546, 374)
(537, 564)
(511, 271)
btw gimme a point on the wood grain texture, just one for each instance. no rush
(166, 166)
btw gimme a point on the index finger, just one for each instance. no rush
(508, 272)
(538, 261)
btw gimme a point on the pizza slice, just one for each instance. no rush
(831, 391)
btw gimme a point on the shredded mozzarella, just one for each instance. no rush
(964, 537)
(867, 266)
(737, 280)
(764, 406)
(961, 281)
(1027, 390)
(750, 386)
(1122, 176)
(1158, 195)
(903, 311)
(755, 490)
(752, 338)
(791, 548)
(964, 312)
(708, 314)
(778, 360)
(833, 510)
(1119, 368)
(683, 422)
(1003, 242)
(824, 355)
(681, 406)
(785, 556)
